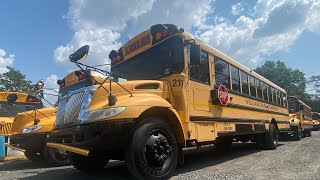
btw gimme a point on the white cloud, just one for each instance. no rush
(51, 83)
(275, 26)
(237, 8)
(5, 61)
(103, 24)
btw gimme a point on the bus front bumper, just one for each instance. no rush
(29, 142)
(100, 136)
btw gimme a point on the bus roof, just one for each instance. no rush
(294, 98)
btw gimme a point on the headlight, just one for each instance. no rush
(103, 113)
(31, 129)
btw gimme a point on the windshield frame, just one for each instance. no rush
(177, 61)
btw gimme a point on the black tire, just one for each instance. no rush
(34, 157)
(271, 138)
(153, 150)
(224, 145)
(88, 163)
(297, 134)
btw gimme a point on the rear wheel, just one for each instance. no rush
(88, 163)
(153, 150)
(271, 138)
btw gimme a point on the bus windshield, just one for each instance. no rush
(64, 91)
(159, 61)
(7, 110)
(293, 106)
(315, 116)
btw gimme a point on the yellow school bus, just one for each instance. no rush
(30, 129)
(180, 92)
(300, 118)
(315, 121)
(24, 102)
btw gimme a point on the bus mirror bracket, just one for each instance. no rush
(12, 98)
(195, 54)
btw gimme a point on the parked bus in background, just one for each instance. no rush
(31, 129)
(315, 121)
(25, 102)
(300, 118)
(180, 92)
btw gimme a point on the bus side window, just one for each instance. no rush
(244, 82)
(259, 89)
(269, 93)
(264, 91)
(273, 95)
(200, 71)
(221, 72)
(285, 103)
(252, 86)
(235, 78)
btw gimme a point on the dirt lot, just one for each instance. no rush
(292, 160)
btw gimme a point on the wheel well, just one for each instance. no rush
(274, 122)
(168, 116)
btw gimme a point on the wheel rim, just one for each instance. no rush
(158, 149)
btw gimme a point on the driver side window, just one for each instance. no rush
(200, 72)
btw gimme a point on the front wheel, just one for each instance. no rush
(88, 163)
(297, 134)
(33, 156)
(153, 150)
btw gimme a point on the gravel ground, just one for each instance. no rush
(292, 160)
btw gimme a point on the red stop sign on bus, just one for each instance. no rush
(223, 95)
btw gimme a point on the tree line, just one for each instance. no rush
(292, 80)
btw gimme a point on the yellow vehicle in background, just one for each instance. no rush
(30, 129)
(315, 121)
(24, 102)
(180, 92)
(300, 118)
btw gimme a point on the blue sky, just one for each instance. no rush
(37, 36)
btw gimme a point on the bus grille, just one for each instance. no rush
(69, 109)
(6, 128)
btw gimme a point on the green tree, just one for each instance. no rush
(13, 80)
(292, 80)
(315, 81)
(313, 100)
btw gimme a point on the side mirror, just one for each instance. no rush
(80, 54)
(301, 107)
(12, 98)
(195, 54)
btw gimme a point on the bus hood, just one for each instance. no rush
(129, 92)
(45, 118)
(75, 107)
